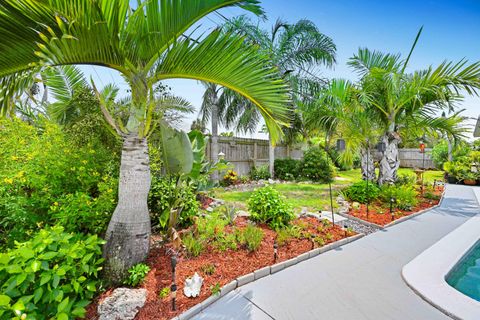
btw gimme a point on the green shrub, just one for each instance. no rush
(251, 237)
(54, 275)
(358, 192)
(42, 171)
(406, 196)
(406, 179)
(193, 246)
(260, 173)
(317, 166)
(168, 193)
(137, 274)
(287, 169)
(268, 206)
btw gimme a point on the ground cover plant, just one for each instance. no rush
(53, 275)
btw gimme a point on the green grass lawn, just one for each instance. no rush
(312, 196)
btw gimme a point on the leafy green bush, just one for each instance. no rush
(317, 166)
(406, 196)
(260, 173)
(137, 274)
(358, 192)
(440, 152)
(251, 237)
(268, 206)
(167, 193)
(42, 171)
(54, 275)
(287, 169)
(406, 179)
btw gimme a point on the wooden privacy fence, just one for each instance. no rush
(245, 153)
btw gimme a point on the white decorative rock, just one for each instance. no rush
(192, 286)
(123, 304)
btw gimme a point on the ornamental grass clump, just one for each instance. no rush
(266, 205)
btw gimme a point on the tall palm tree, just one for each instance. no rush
(296, 50)
(145, 44)
(338, 111)
(342, 110)
(396, 95)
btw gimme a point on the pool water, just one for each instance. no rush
(465, 276)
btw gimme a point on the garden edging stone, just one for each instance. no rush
(263, 272)
(245, 279)
(260, 273)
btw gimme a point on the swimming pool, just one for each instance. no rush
(465, 276)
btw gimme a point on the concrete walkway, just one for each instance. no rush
(361, 280)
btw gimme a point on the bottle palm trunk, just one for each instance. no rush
(128, 232)
(390, 161)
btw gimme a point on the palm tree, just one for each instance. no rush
(397, 96)
(295, 50)
(337, 111)
(145, 44)
(342, 110)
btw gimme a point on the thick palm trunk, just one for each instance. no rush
(128, 232)
(390, 161)
(367, 164)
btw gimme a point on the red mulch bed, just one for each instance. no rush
(379, 213)
(228, 266)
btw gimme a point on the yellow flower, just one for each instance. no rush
(8, 180)
(14, 158)
(55, 203)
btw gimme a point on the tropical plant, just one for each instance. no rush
(266, 205)
(399, 97)
(172, 202)
(53, 275)
(146, 45)
(361, 192)
(295, 49)
(405, 196)
(337, 109)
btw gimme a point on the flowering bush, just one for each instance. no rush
(46, 178)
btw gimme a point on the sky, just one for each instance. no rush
(451, 31)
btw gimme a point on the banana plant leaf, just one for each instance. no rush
(176, 150)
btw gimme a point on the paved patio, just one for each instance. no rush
(361, 280)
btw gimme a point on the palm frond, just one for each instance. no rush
(226, 60)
